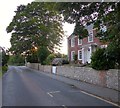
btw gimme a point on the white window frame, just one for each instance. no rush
(72, 42)
(79, 43)
(72, 56)
(79, 55)
(90, 36)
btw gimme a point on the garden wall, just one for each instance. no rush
(103, 78)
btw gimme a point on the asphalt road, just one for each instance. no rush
(24, 87)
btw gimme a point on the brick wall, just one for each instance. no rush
(84, 42)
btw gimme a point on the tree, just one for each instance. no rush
(16, 60)
(104, 15)
(32, 58)
(100, 60)
(5, 57)
(49, 59)
(35, 25)
(43, 52)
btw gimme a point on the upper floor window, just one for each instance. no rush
(79, 41)
(72, 42)
(90, 37)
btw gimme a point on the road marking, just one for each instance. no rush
(52, 92)
(64, 106)
(100, 98)
(95, 97)
(50, 95)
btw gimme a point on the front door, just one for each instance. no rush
(87, 55)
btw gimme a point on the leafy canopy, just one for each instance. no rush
(34, 25)
(104, 15)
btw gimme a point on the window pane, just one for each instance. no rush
(72, 55)
(72, 42)
(80, 54)
(90, 37)
(79, 41)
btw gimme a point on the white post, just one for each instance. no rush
(83, 61)
(54, 69)
(90, 53)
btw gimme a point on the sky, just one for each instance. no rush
(7, 8)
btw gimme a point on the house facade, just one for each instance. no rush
(83, 48)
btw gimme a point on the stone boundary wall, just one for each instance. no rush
(33, 65)
(48, 69)
(103, 78)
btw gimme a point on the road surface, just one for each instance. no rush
(25, 87)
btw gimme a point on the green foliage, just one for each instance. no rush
(75, 57)
(43, 52)
(4, 69)
(101, 61)
(32, 58)
(5, 58)
(80, 31)
(0, 70)
(102, 14)
(0, 74)
(3, 61)
(49, 59)
(113, 53)
(34, 25)
(58, 55)
(16, 60)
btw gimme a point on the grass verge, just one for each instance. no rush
(3, 70)
(0, 71)
(0, 74)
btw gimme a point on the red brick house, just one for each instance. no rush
(83, 47)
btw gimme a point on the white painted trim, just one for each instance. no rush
(72, 42)
(78, 41)
(90, 54)
(72, 55)
(89, 40)
(90, 32)
(78, 54)
(83, 61)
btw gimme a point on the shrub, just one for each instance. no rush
(5, 58)
(49, 59)
(75, 57)
(99, 60)
(4, 69)
(16, 60)
(43, 52)
(0, 74)
(65, 61)
(33, 58)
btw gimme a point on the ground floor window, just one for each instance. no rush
(79, 55)
(72, 55)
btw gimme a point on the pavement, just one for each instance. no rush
(102, 93)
